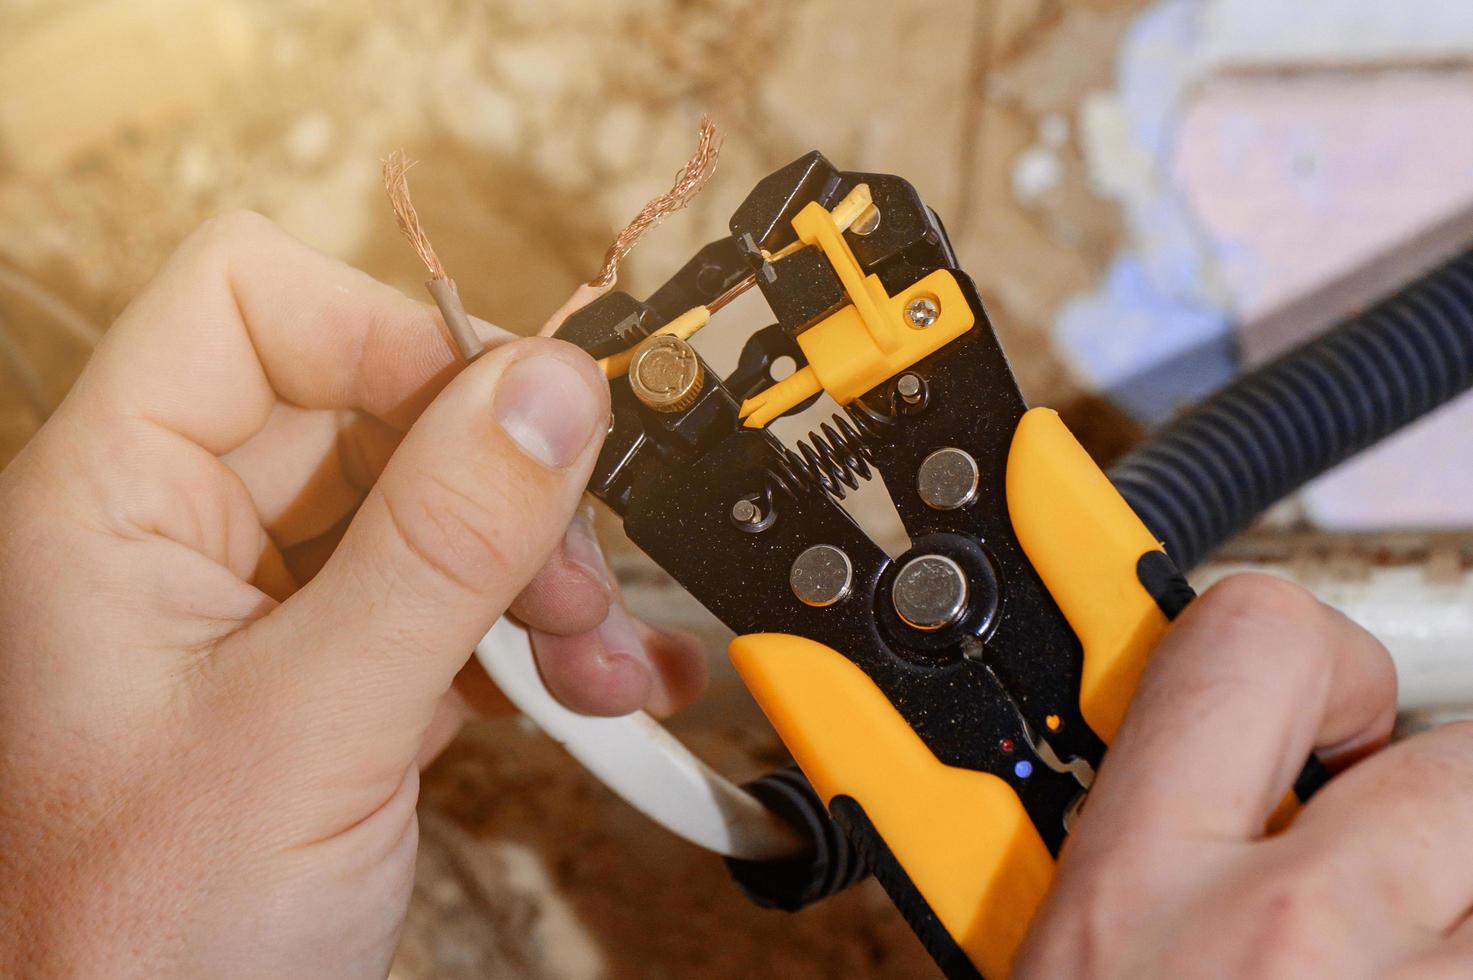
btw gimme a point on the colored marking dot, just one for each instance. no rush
(1023, 769)
(1054, 722)
(1006, 745)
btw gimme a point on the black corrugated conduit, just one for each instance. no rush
(1208, 474)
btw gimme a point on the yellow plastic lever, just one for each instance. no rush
(871, 339)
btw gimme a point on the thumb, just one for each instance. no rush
(470, 506)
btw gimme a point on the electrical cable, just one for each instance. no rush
(1211, 472)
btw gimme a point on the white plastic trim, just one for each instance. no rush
(639, 760)
(1426, 624)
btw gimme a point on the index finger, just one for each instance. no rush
(1253, 676)
(243, 314)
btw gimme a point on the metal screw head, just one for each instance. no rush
(922, 312)
(930, 592)
(908, 386)
(948, 479)
(665, 374)
(821, 575)
(746, 511)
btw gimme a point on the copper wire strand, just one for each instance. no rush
(689, 182)
(396, 184)
(441, 287)
(845, 213)
(741, 287)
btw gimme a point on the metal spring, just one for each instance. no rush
(835, 457)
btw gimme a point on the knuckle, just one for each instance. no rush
(1255, 598)
(227, 232)
(1433, 760)
(1459, 735)
(1288, 916)
(1379, 673)
(1401, 784)
(236, 223)
(1261, 616)
(1440, 757)
(456, 537)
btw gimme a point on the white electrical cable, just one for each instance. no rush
(1425, 623)
(638, 759)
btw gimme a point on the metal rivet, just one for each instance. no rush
(948, 479)
(922, 312)
(908, 386)
(748, 515)
(867, 222)
(821, 575)
(930, 592)
(666, 374)
(745, 511)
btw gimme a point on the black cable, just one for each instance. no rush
(832, 865)
(1211, 472)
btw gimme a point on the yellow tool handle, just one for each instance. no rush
(1086, 544)
(960, 849)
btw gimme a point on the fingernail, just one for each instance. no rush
(581, 547)
(618, 636)
(547, 408)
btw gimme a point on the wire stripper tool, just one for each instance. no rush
(949, 705)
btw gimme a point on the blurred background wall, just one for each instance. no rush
(1141, 188)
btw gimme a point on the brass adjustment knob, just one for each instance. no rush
(666, 374)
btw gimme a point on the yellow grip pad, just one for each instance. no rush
(962, 837)
(1084, 541)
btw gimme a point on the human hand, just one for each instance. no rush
(240, 571)
(1169, 873)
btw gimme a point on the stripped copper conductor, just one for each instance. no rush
(740, 287)
(396, 185)
(440, 285)
(689, 182)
